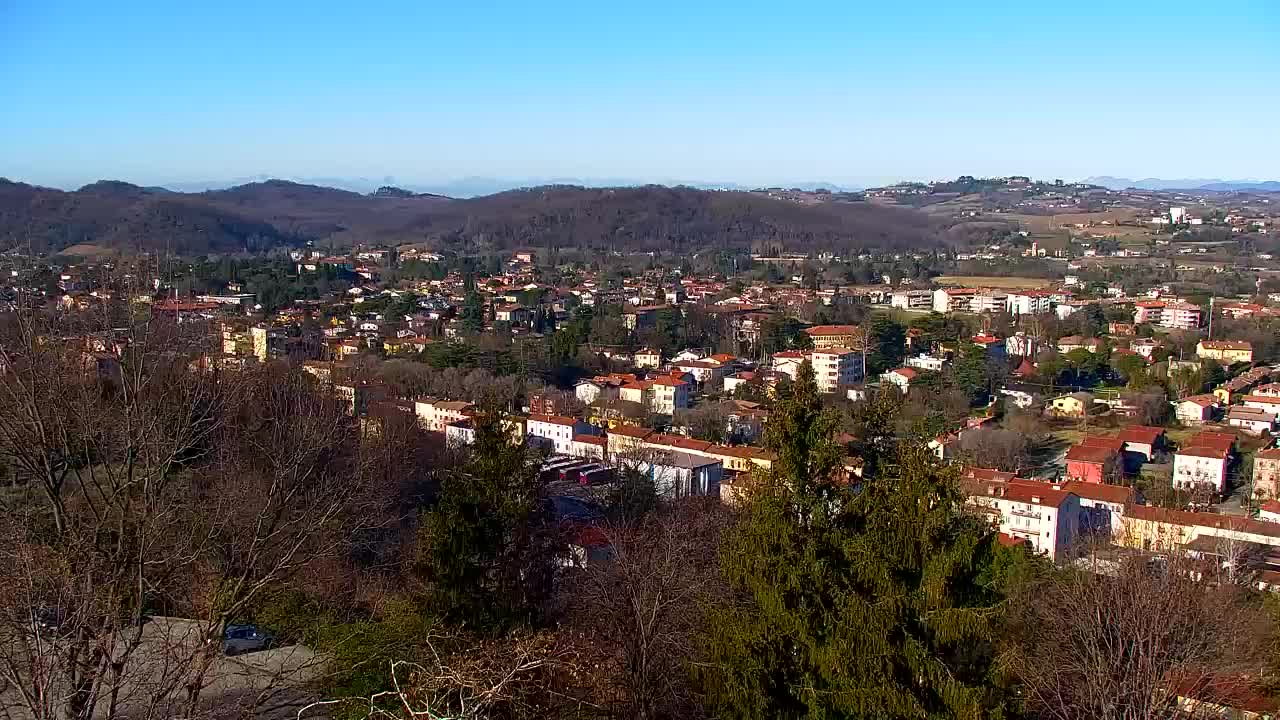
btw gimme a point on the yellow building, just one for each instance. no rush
(1225, 351)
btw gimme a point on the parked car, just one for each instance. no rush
(246, 638)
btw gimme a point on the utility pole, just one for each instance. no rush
(1210, 317)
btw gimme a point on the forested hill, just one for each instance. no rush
(260, 216)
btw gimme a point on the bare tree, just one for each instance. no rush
(995, 448)
(1122, 646)
(144, 486)
(641, 608)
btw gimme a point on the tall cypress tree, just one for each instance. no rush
(865, 601)
(485, 549)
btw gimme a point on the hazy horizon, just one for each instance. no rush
(748, 94)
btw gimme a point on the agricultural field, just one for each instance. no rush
(992, 281)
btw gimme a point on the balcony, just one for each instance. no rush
(1033, 514)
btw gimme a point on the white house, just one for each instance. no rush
(434, 415)
(560, 430)
(648, 358)
(1200, 466)
(1031, 302)
(1044, 515)
(924, 361)
(1196, 409)
(588, 391)
(900, 377)
(677, 474)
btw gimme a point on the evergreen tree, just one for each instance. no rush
(874, 601)
(483, 549)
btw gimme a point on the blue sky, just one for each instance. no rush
(836, 90)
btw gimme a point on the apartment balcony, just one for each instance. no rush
(1033, 514)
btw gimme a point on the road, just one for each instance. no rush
(271, 684)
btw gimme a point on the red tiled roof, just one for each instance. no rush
(1144, 434)
(1202, 519)
(1268, 454)
(591, 439)
(1201, 400)
(1034, 493)
(1115, 494)
(817, 330)
(1220, 441)
(1090, 454)
(1226, 344)
(1111, 442)
(1204, 452)
(669, 381)
(631, 431)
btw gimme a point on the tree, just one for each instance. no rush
(148, 485)
(869, 603)
(1123, 645)
(887, 345)
(643, 607)
(995, 448)
(484, 549)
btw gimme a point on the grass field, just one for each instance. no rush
(993, 281)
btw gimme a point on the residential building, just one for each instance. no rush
(434, 415)
(1029, 302)
(678, 474)
(589, 446)
(953, 299)
(1196, 409)
(900, 377)
(1043, 515)
(669, 395)
(1175, 315)
(835, 336)
(1266, 472)
(832, 367)
(1155, 528)
(924, 361)
(648, 358)
(912, 300)
(1095, 460)
(1251, 420)
(987, 301)
(1102, 506)
(1263, 403)
(1143, 440)
(704, 372)
(1076, 342)
(1225, 351)
(558, 430)
(1073, 405)
(1201, 466)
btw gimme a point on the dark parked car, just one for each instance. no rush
(246, 638)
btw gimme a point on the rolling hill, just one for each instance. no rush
(264, 215)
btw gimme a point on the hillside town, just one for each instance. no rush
(1104, 406)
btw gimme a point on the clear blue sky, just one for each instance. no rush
(839, 90)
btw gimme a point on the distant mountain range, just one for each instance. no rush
(261, 216)
(476, 186)
(1207, 184)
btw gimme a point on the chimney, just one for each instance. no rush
(1035, 498)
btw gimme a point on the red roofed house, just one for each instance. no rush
(900, 377)
(1142, 440)
(1093, 463)
(835, 336)
(1040, 513)
(1196, 409)
(1201, 466)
